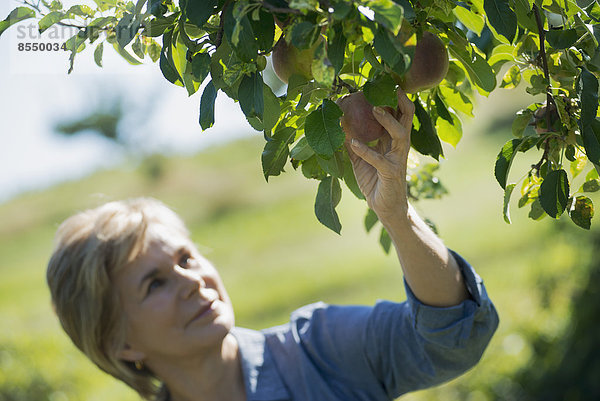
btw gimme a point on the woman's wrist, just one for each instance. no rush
(397, 219)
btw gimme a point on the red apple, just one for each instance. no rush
(358, 120)
(289, 60)
(429, 65)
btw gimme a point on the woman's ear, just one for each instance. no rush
(130, 355)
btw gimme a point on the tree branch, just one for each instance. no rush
(542, 34)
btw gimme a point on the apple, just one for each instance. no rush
(289, 60)
(541, 119)
(429, 65)
(358, 120)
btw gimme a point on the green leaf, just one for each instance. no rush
(479, 71)
(50, 19)
(198, 12)
(16, 15)
(425, 139)
(562, 38)
(591, 141)
(312, 170)
(537, 211)
(350, 178)
(370, 219)
(138, 48)
(302, 150)
(512, 78)
(381, 91)
(323, 130)
(157, 26)
(471, 20)
(329, 195)
(125, 54)
(385, 240)
(250, 95)
(501, 17)
(582, 211)
(264, 30)
(591, 185)
(554, 193)
(525, 16)
(449, 132)
(200, 66)
(321, 68)
(81, 10)
(154, 50)
(506, 210)
(457, 99)
(334, 166)
(304, 35)
(521, 121)
(336, 47)
(126, 29)
(240, 35)
(98, 54)
(276, 151)
(501, 54)
(304, 5)
(391, 53)
(271, 113)
(166, 63)
(207, 106)
(587, 90)
(387, 13)
(441, 109)
(157, 8)
(504, 160)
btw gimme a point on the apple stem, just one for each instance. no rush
(340, 83)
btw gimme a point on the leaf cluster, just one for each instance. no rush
(222, 46)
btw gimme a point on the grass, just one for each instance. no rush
(275, 256)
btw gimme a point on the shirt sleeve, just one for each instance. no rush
(411, 346)
(398, 347)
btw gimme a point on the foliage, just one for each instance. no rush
(551, 45)
(572, 360)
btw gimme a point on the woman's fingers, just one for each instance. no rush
(406, 109)
(369, 155)
(389, 122)
(399, 125)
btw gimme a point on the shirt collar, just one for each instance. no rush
(261, 377)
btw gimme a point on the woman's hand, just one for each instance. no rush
(381, 171)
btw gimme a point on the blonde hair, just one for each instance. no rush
(89, 248)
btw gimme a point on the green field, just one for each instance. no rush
(275, 256)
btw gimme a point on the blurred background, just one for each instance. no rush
(75, 141)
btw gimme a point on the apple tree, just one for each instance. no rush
(340, 58)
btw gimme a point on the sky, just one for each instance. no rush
(36, 93)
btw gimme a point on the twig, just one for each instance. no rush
(219, 37)
(341, 83)
(538, 165)
(542, 34)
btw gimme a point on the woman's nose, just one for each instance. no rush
(191, 282)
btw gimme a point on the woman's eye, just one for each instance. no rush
(185, 260)
(154, 284)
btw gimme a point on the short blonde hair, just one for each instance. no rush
(89, 248)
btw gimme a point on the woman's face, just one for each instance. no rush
(173, 299)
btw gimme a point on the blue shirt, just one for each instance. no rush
(367, 353)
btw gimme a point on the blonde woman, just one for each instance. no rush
(136, 296)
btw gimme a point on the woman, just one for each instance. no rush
(135, 295)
